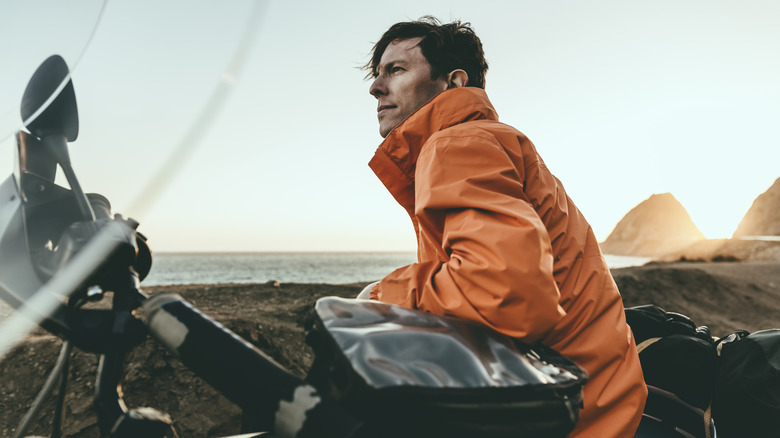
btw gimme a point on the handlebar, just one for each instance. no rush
(244, 374)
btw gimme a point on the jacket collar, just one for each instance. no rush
(395, 160)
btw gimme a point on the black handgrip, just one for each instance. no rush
(243, 373)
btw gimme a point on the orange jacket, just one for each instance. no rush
(500, 243)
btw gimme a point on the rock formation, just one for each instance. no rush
(657, 226)
(763, 217)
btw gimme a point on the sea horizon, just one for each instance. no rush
(332, 267)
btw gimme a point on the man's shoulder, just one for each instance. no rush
(489, 130)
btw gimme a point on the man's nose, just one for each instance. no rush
(378, 87)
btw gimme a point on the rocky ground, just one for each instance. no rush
(725, 296)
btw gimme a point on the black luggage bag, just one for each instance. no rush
(413, 374)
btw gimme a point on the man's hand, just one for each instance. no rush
(365, 294)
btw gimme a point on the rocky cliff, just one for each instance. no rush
(657, 226)
(763, 217)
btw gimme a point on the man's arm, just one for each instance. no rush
(495, 264)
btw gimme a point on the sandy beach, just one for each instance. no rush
(725, 296)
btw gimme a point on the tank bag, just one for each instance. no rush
(413, 374)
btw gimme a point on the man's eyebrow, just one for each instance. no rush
(390, 64)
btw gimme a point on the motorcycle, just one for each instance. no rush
(61, 249)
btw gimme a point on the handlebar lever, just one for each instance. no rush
(96, 330)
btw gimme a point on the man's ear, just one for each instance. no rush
(457, 78)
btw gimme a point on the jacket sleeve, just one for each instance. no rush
(495, 264)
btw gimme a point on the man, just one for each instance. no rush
(499, 241)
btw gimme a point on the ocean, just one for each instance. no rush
(291, 267)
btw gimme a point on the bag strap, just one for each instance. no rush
(707, 413)
(646, 343)
(708, 422)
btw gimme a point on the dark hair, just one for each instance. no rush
(447, 47)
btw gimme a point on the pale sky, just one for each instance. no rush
(623, 99)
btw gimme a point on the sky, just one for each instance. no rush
(623, 99)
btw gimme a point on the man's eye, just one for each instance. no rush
(396, 69)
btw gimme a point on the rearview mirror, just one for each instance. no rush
(49, 101)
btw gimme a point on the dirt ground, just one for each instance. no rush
(725, 296)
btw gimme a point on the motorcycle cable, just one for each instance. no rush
(58, 374)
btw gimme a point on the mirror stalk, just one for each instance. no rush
(58, 147)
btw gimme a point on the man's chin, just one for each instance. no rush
(386, 128)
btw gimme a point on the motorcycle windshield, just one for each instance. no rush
(149, 79)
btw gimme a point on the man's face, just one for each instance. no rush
(402, 83)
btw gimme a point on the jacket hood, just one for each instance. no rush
(395, 160)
